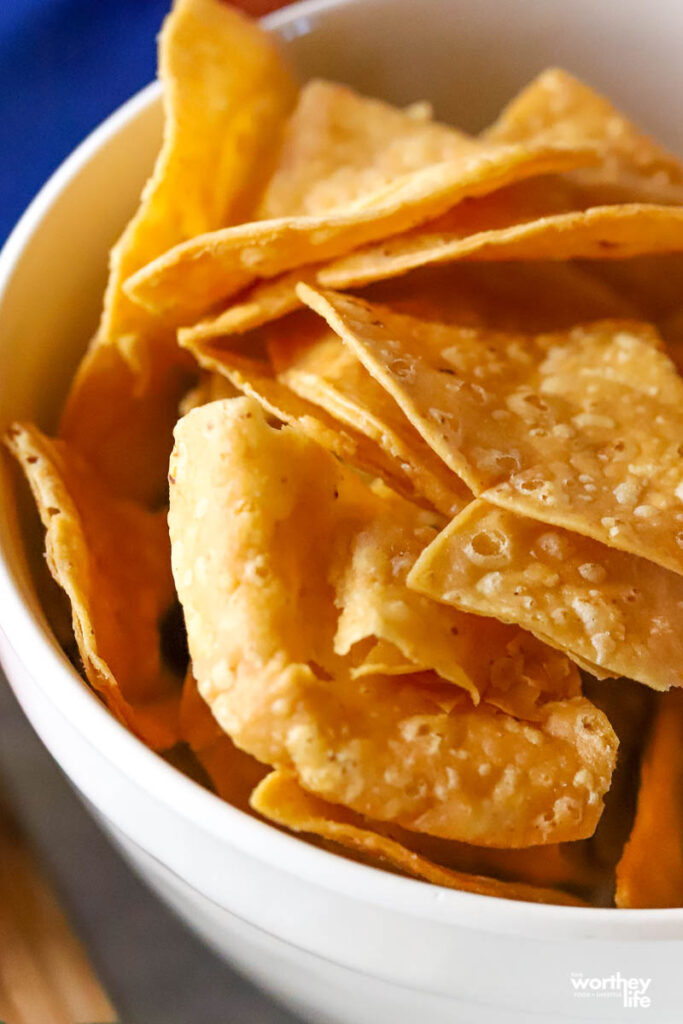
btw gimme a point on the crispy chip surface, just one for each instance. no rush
(559, 107)
(650, 872)
(311, 360)
(281, 799)
(223, 83)
(260, 615)
(490, 230)
(613, 612)
(112, 559)
(581, 429)
(192, 277)
(539, 296)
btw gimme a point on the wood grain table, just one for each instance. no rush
(82, 940)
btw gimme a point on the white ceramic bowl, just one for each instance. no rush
(340, 942)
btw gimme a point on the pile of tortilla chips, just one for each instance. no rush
(423, 596)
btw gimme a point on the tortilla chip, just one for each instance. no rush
(312, 361)
(233, 773)
(559, 108)
(511, 671)
(650, 872)
(259, 608)
(223, 81)
(189, 279)
(112, 559)
(340, 148)
(281, 799)
(613, 612)
(256, 378)
(510, 296)
(580, 429)
(496, 228)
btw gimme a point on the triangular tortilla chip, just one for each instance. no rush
(281, 799)
(311, 360)
(613, 612)
(558, 107)
(340, 148)
(256, 378)
(260, 520)
(581, 429)
(512, 296)
(192, 277)
(112, 559)
(223, 81)
(650, 872)
(498, 231)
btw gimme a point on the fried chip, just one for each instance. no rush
(281, 799)
(612, 612)
(581, 429)
(189, 279)
(232, 773)
(559, 108)
(112, 560)
(261, 621)
(510, 670)
(255, 378)
(312, 361)
(650, 872)
(501, 230)
(341, 148)
(223, 81)
(511, 296)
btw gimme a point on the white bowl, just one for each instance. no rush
(338, 941)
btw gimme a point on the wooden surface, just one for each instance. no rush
(45, 974)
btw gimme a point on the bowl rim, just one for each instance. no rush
(28, 636)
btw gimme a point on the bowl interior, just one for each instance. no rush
(467, 56)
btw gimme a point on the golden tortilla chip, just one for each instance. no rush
(581, 429)
(650, 872)
(510, 670)
(232, 772)
(340, 147)
(510, 296)
(614, 612)
(256, 378)
(312, 361)
(223, 81)
(500, 229)
(281, 799)
(559, 108)
(112, 560)
(258, 516)
(192, 277)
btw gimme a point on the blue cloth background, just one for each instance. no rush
(64, 66)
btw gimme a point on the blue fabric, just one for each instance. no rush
(64, 66)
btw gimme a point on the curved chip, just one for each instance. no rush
(253, 522)
(312, 361)
(489, 232)
(536, 296)
(617, 614)
(281, 799)
(226, 94)
(558, 107)
(195, 275)
(650, 872)
(112, 560)
(581, 429)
